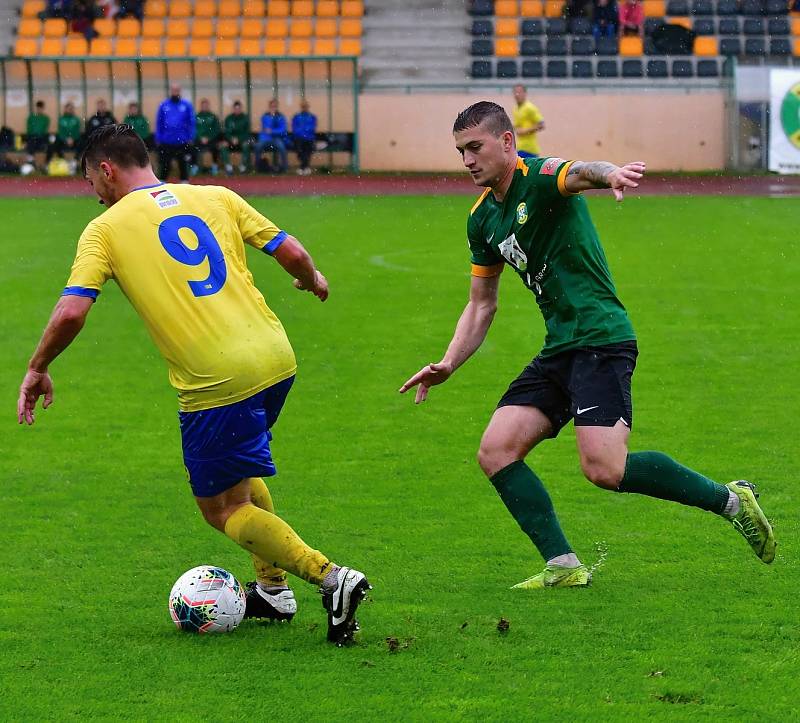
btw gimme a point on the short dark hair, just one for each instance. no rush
(497, 120)
(116, 143)
(40, 104)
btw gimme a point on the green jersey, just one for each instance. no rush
(69, 126)
(140, 125)
(38, 124)
(546, 235)
(206, 126)
(237, 126)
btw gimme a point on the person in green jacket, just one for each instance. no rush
(140, 124)
(68, 133)
(237, 138)
(208, 135)
(37, 131)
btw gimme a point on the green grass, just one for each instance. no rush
(682, 623)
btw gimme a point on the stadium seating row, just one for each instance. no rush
(605, 68)
(76, 45)
(652, 8)
(200, 28)
(234, 8)
(631, 46)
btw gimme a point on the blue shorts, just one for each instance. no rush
(222, 446)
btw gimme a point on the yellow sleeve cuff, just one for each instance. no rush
(562, 180)
(486, 272)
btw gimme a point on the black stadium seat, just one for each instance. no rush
(703, 26)
(482, 47)
(657, 69)
(482, 28)
(556, 46)
(650, 24)
(606, 46)
(702, 7)
(556, 26)
(678, 7)
(582, 69)
(728, 26)
(632, 68)
(682, 69)
(730, 46)
(532, 27)
(780, 46)
(607, 69)
(650, 47)
(532, 69)
(778, 26)
(753, 26)
(727, 7)
(481, 69)
(530, 46)
(707, 68)
(776, 7)
(752, 7)
(580, 26)
(481, 7)
(755, 47)
(556, 68)
(507, 69)
(582, 46)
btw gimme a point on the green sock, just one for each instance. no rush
(527, 500)
(656, 475)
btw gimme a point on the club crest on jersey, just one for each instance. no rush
(513, 253)
(164, 198)
(522, 213)
(550, 165)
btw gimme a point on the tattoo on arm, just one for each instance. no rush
(595, 172)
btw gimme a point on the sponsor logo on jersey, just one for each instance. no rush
(522, 213)
(164, 198)
(513, 253)
(550, 165)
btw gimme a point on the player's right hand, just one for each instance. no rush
(427, 377)
(34, 385)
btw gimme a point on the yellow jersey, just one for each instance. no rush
(527, 115)
(177, 252)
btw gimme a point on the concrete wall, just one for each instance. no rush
(669, 130)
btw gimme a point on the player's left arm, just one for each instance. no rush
(65, 324)
(586, 175)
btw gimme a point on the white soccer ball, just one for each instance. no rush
(26, 169)
(207, 599)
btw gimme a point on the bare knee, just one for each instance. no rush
(603, 473)
(493, 458)
(217, 515)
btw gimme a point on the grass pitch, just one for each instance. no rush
(682, 621)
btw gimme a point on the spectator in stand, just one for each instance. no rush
(605, 19)
(577, 9)
(207, 136)
(237, 138)
(175, 133)
(56, 9)
(103, 117)
(83, 16)
(37, 132)
(631, 17)
(131, 7)
(273, 137)
(304, 134)
(68, 134)
(140, 124)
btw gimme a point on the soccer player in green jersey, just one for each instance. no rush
(532, 218)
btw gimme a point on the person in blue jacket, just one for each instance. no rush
(273, 137)
(175, 121)
(304, 132)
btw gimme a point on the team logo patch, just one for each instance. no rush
(164, 198)
(513, 253)
(522, 213)
(550, 165)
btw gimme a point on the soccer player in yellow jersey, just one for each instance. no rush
(177, 252)
(528, 121)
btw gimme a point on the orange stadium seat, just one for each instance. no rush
(683, 22)
(203, 28)
(655, 8)
(101, 47)
(52, 46)
(299, 46)
(175, 47)
(32, 8)
(506, 47)
(180, 9)
(153, 28)
(531, 8)
(275, 47)
(302, 8)
(128, 28)
(553, 8)
(325, 46)
(325, 28)
(506, 9)
(506, 27)
(150, 47)
(301, 28)
(205, 9)
(25, 47)
(225, 46)
(200, 47)
(350, 28)
(349, 46)
(126, 47)
(277, 28)
(253, 8)
(795, 26)
(796, 48)
(105, 26)
(252, 28)
(250, 46)
(30, 28)
(76, 45)
(230, 8)
(706, 46)
(54, 28)
(327, 8)
(352, 9)
(228, 28)
(278, 9)
(178, 28)
(630, 45)
(156, 9)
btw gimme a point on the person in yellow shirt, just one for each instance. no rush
(178, 254)
(528, 121)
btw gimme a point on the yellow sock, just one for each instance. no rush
(271, 539)
(266, 573)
